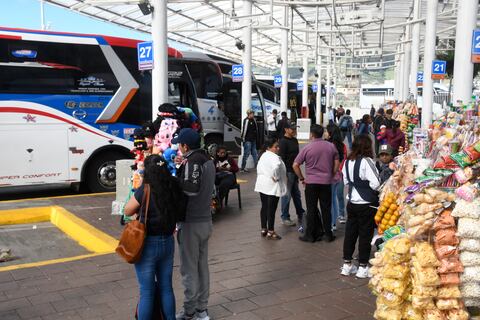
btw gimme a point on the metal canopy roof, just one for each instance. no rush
(214, 26)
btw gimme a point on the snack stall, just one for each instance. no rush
(428, 264)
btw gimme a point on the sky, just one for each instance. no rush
(26, 14)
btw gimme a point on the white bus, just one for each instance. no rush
(69, 103)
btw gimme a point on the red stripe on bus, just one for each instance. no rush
(6, 36)
(49, 115)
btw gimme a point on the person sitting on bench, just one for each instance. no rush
(226, 167)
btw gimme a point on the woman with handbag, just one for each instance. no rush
(155, 265)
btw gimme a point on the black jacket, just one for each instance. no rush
(288, 151)
(197, 180)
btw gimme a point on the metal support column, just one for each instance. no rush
(247, 68)
(406, 64)
(318, 104)
(415, 49)
(305, 82)
(429, 56)
(284, 57)
(463, 71)
(401, 70)
(160, 55)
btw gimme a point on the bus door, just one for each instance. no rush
(260, 110)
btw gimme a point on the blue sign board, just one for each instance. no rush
(299, 85)
(237, 72)
(145, 55)
(476, 46)
(419, 78)
(439, 68)
(314, 87)
(277, 81)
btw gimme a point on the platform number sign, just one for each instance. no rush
(439, 68)
(237, 72)
(314, 87)
(277, 81)
(419, 78)
(476, 46)
(299, 85)
(145, 55)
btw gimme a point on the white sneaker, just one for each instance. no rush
(348, 269)
(334, 227)
(363, 272)
(202, 315)
(288, 222)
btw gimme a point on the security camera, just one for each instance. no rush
(301, 70)
(316, 75)
(145, 7)
(239, 44)
(279, 60)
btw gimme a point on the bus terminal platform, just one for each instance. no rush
(251, 277)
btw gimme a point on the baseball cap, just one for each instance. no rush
(189, 137)
(291, 125)
(385, 148)
(383, 126)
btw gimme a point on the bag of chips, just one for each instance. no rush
(398, 287)
(445, 221)
(472, 153)
(447, 304)
(449, 265)
(458, 314)
(398, 271)
(470, 274)
(449, 292)
(422, 303)
(433, 314)
(470, 290)
(469, 245)
(470, 258)
(410, 313)
(425, 255)
(424, 292)
(462, 159)
(449, 279)
(445, 251)
(468, 228)
(446, 237)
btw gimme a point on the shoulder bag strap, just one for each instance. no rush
(146, 200)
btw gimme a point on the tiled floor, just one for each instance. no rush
(251, 277)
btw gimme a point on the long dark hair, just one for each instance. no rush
(336, 138)
(361, 148)
(164, 188)
(395, 126)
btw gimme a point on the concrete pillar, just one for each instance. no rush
(284, 67)
(415, 49)
(406, 64)
(463, 71)
(160, 55)
(305, 82)
(429, 56)
(247, 59)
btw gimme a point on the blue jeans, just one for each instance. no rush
(348, 134)
(338, 202)
(154, 273)
(293, 192)
(249, 147)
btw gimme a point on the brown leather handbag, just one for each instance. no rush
(133, 236)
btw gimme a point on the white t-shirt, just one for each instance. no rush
(272, 122)
(368, 171)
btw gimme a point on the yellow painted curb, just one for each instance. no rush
(48, 262)
(25, 215)
(61, 197)
(85, 234)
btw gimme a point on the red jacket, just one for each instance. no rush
(394, 139)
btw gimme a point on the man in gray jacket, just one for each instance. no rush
(197, 178)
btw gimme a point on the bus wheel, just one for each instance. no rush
(212, 141)
(101, 173)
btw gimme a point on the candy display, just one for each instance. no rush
(431, 205)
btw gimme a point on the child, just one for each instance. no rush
(381, 135)
(385, 165)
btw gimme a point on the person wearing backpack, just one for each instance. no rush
(345, 124)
